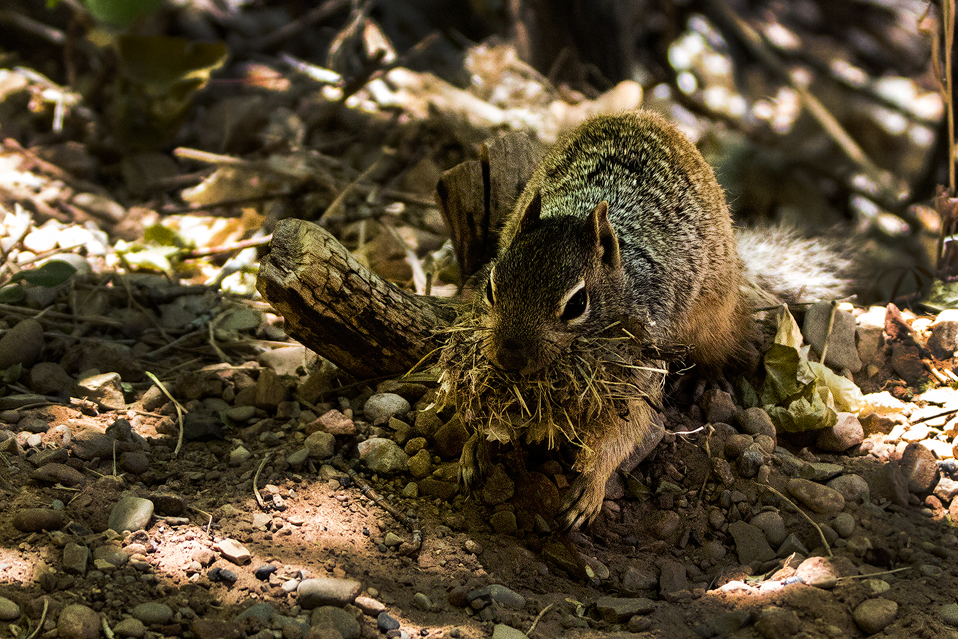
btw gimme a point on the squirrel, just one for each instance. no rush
(623, 222)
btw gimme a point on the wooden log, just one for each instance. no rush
(338, 308)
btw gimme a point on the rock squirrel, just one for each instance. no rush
(624, 223)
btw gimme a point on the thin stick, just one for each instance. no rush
(828, 330)
(803, 514)
(180, 409)
(539, 616)
(259, 498)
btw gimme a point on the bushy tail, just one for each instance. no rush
(782, 266)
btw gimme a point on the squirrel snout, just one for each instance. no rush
(510, 355)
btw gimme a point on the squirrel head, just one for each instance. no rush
(559, 278)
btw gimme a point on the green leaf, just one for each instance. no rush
(12, 294)
(787, 373)
(162, 235)
(154, 258)
(48, 275)
(121, 13)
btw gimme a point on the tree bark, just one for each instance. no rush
(338, 308)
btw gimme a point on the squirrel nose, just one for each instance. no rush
(510, 355)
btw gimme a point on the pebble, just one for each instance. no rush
(718, 406)
(890, 483)
(339, 619)
(202, 426)
(90, 444)
(504, 522)
(750, 543)
(234, 551)
(153, 613)
(383, 455)
(778, 623)
(674, 581)
(240, 414)
(847, 432)
(450, 438)
(844, 525)
(239, 456)
(872, 615)
(130, 513)
(750, 462)
(502, 631)
(327, 591)
(818, 572)
(500, 594)
(78, 622)
(105, 390)
(842, 352)
(216, 629)
(638, 578)
(381, 406)
(949, 614)
(920, 469)
(772, 524)
(420, 464)
(820, 471)
(422, 601)
(130, 627)
(853, 488)
(58, 474)
(134, 462)
(9, 610)
(21, 344)
(944, 334)
(75, 559)
(816, 497)
(621, 609)
(385, 622)
(298, 458)
(755, 421)
(725, 624)
(321, 445)
(333, 422)
(47, 378)
(37, 519)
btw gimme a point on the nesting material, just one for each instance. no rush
(576, 399)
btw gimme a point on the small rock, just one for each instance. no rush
(755, 421)
(9, 610)
(420, 464)
(818, 572)
(239, 456)
(890, 483)
(153, 613)
(334, 423)
(78, 622)
(504, 522)
(852, 487)
(422, 601)
(906, 362)
(38, 519)
(502, 631)
(718, 406)
(91, 444)
(778, 623)
(370, 606)
(725, 624)
(820, 471)
(321, 445)
(920, 469)
(843, 435)
(498, 488)
(842, 352)
(434, 488)
(105, 390)
(270, 390)
(58, 474)
(772, 524)
(130, 627)
(385, 622)
(638, 578)
(216, 629)
(450, 438)
(337, 618)
(48, 378)
(673, 580)
(873, 615)
(844, 525)
(383, 455)
(130, 513)
(499, 594)
(621, 609)
(381, 406)
(240, 414)
(75, 559)
(21, 344)
(944, 334)
(134, 462)
(202, 426)
(234, 551)
(327, 591)
(949, 614)
(750, 543)
(816, 497)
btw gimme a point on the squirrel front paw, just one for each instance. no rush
(475, 463)
(582, 503)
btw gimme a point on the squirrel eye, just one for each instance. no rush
(575, 306)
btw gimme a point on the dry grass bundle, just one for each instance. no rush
(574, 399)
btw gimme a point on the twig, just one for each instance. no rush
(180, 409)
(411, 524)
(539, 616)
(259, 498)
(338, 200)
(755, 42)
(418, 274)
(828, 330)
(305, 21)
(43, 617)
(876, 574)
(803, 514)
(229, 248)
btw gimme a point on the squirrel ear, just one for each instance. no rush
(602, 233)
(530, 217)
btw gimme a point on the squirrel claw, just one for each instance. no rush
(581, 504)
(474, 462)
